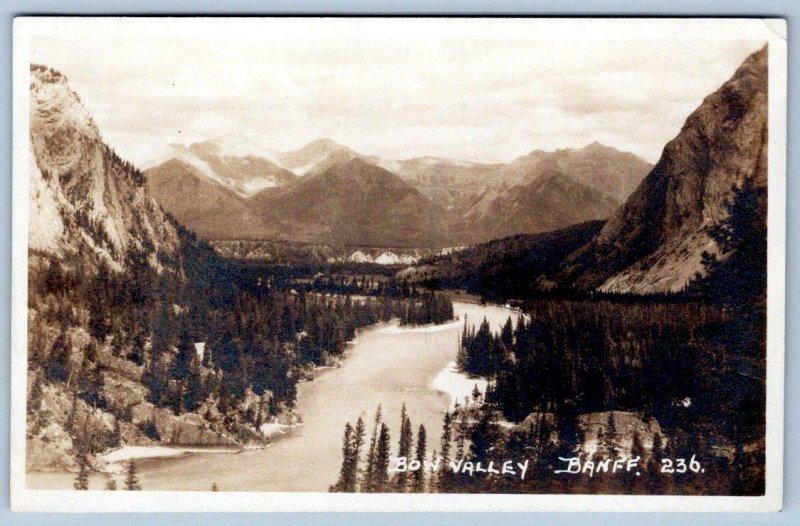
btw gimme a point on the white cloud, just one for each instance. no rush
(487, 99)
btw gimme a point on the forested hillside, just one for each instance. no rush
(508, 268)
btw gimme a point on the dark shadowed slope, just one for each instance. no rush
(512, 267)
(550, 202)
(655, 242)
(353, 203)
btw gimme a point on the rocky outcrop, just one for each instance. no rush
(90, 209)
(52, 425)
(655, 242)
(87, 204)
(609, 434)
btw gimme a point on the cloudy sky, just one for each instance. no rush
(393, 94)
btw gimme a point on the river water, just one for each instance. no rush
(385, 365)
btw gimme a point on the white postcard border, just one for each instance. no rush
(773, 31)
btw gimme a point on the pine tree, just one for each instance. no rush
(181, 368)
(131, 480)
(136, 354)
(358, 443)
(461, 438)
(507, 334)
(82, 478)
(348, 447)
(58, 362)
(382, 452)
(445, 479)
(90, 384)
(194, 393)
(404, 448)
(482, 437)
(434, 480)
(111, 485)
(368, 484)
(98, 307)
(476, 394)
(418, 476)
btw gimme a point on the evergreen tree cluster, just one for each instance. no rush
(587, 356)
(369, 473)
(429, 308)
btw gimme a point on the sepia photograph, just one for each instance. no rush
(461, 264)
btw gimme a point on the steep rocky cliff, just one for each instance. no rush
(92, 227)
(656, 240)
(86, 204)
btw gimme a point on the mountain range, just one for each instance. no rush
(258, 192)
(656, 241)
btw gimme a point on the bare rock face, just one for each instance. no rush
(87, 204)
(605, 434)
(654, 243)
(611, 433)
(51, 428)
(178, 430)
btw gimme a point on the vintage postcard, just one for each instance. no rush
(398, 264)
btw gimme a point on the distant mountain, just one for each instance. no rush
(549, 202)
(212, 209)
(535, 193)
(607, 170)
(448, 182)
(656, 240)
(601, 167)
(353, 203)
(313, 158)
(236, 164)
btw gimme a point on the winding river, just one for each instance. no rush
(385, 365)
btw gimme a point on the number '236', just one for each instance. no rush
(680, 465)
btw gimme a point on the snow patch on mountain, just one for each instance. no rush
(390, 258)
(360, 257)
(182, 154)
(241, 146)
